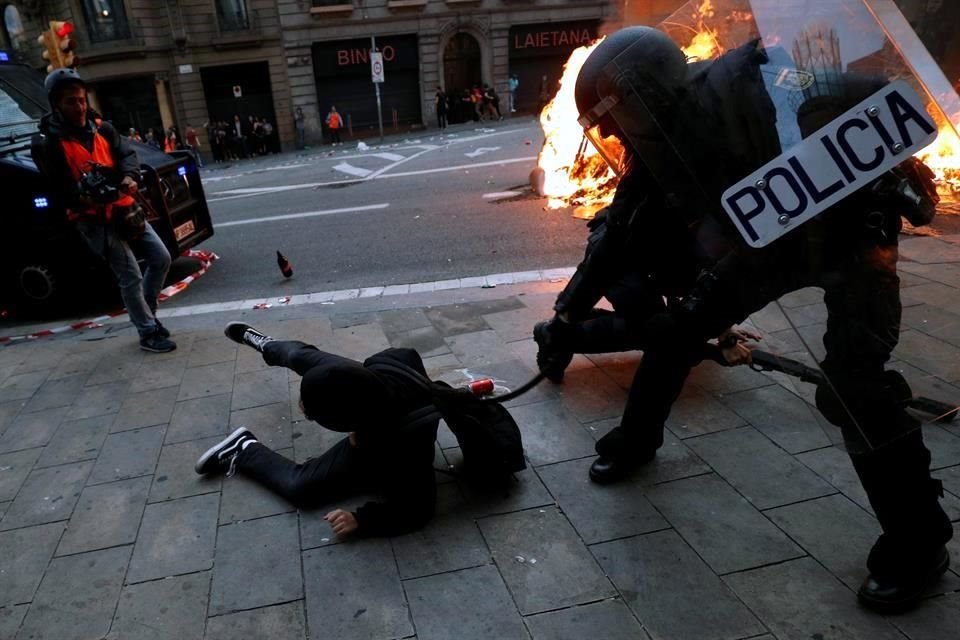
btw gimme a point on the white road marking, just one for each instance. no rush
(500, 195)
(306, 214)
(346, 167)
(392, 157)
(482, 150)
(233, 194)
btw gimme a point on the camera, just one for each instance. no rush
(96, 186)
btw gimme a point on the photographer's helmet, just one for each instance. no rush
(57, 80)
(639, 60)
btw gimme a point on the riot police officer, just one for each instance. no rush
(698, 128)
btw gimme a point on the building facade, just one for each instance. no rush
(157, 63)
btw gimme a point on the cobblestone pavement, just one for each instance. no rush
(749, 524)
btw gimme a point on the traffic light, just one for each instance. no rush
(58, 46)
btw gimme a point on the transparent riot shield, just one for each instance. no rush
(788, 142)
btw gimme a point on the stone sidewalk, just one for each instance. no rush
(749, 524)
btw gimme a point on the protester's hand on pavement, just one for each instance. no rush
(128, 185)
(342, 522)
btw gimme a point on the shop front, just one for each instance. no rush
(537, 55)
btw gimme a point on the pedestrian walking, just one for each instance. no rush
(476, 99)
(385, 449)
(334, 124)
(493, 103)
(513, 85)
(75, 143)
(440, 103)
(299, 123)
(193, 144)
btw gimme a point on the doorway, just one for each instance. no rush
(462, 69)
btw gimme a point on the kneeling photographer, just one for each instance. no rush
(95, 171)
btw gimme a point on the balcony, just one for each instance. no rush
(100, 43)
(239, 30)
(331, 7)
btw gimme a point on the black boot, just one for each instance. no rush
(551, 360)
(910, 556)
(620, 456)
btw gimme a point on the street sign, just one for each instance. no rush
(376, 66)
(237, 91)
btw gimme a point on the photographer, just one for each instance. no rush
(95, 173)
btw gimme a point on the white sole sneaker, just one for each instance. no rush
(220, 447)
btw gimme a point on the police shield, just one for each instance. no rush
(786, 140)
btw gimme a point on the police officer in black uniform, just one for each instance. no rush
(638, 86)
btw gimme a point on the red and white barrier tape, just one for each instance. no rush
(206, 258)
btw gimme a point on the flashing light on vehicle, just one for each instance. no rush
(181, 171)
(4, 56)
(40, 203)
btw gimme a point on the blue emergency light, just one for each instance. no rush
(40, 202)
(4, 56)
(181, 171)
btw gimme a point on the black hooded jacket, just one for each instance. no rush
(53, 162)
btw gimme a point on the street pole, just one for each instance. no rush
(373, 47)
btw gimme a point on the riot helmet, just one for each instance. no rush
(632, 57)
(57, 80)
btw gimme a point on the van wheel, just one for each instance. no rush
(37, 284)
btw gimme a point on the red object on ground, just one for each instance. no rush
(482, 387)
(285, 267)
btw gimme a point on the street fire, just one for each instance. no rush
(943, 157)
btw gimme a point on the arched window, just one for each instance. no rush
(13, 27)
(106, 20)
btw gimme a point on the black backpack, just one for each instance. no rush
(488, 435)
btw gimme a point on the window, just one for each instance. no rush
(106, 20)
(232, 15)
(13, 26)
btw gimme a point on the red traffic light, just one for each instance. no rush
(64, 30)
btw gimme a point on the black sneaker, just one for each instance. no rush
(242, 333)
(156, 343)
(162, 331)
(222, 457)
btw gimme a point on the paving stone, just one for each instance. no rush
(107, 515)
(950, 478)
(3, 508)
(146, 409)
(316, 532)
(770, 319)
(660, 577)
(800, 600)
(209, 380)
(934, 322)
(353, 591)
(525, 492)
(437, 604)
(128, 454)
(271, 423)
(929, 354)
(457, 319)
(100, 400)
(358, 343)
(944, 445)
(76, 441)
(29, 430)
(806, 315)
(175, 477)
(9, 411)
(935, 619)
(835, 531)
(212, 351)
(284, 621)
(170, 609)
(762, 472)
(264, 547)
(597, 512)
(24, 556)
(159, 374)
(833, 465)
(722, 381)
(783, 417)
(556, 570)
(551, 434)
(200, 418)
(479, 348)
(724, 529)
(516, 324)
(22, 386)
(56, 393)
(426, 340)
(76, 364)
(175, 537)
(310, 440)
(674, 459)
(400, 320)
(78, 596)
(589, 394)
(14, 469)
(927, 250)
(696, 412)
(260, 388)
(448, 542)
(249, 360)
(244, 499)
(48, 495)
(610, 619)
(117, 368)
(10, 619)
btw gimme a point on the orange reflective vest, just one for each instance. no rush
(334, 121)
(80, 161)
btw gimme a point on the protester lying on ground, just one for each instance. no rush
(383, 453)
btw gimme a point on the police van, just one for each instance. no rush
(44, 262)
